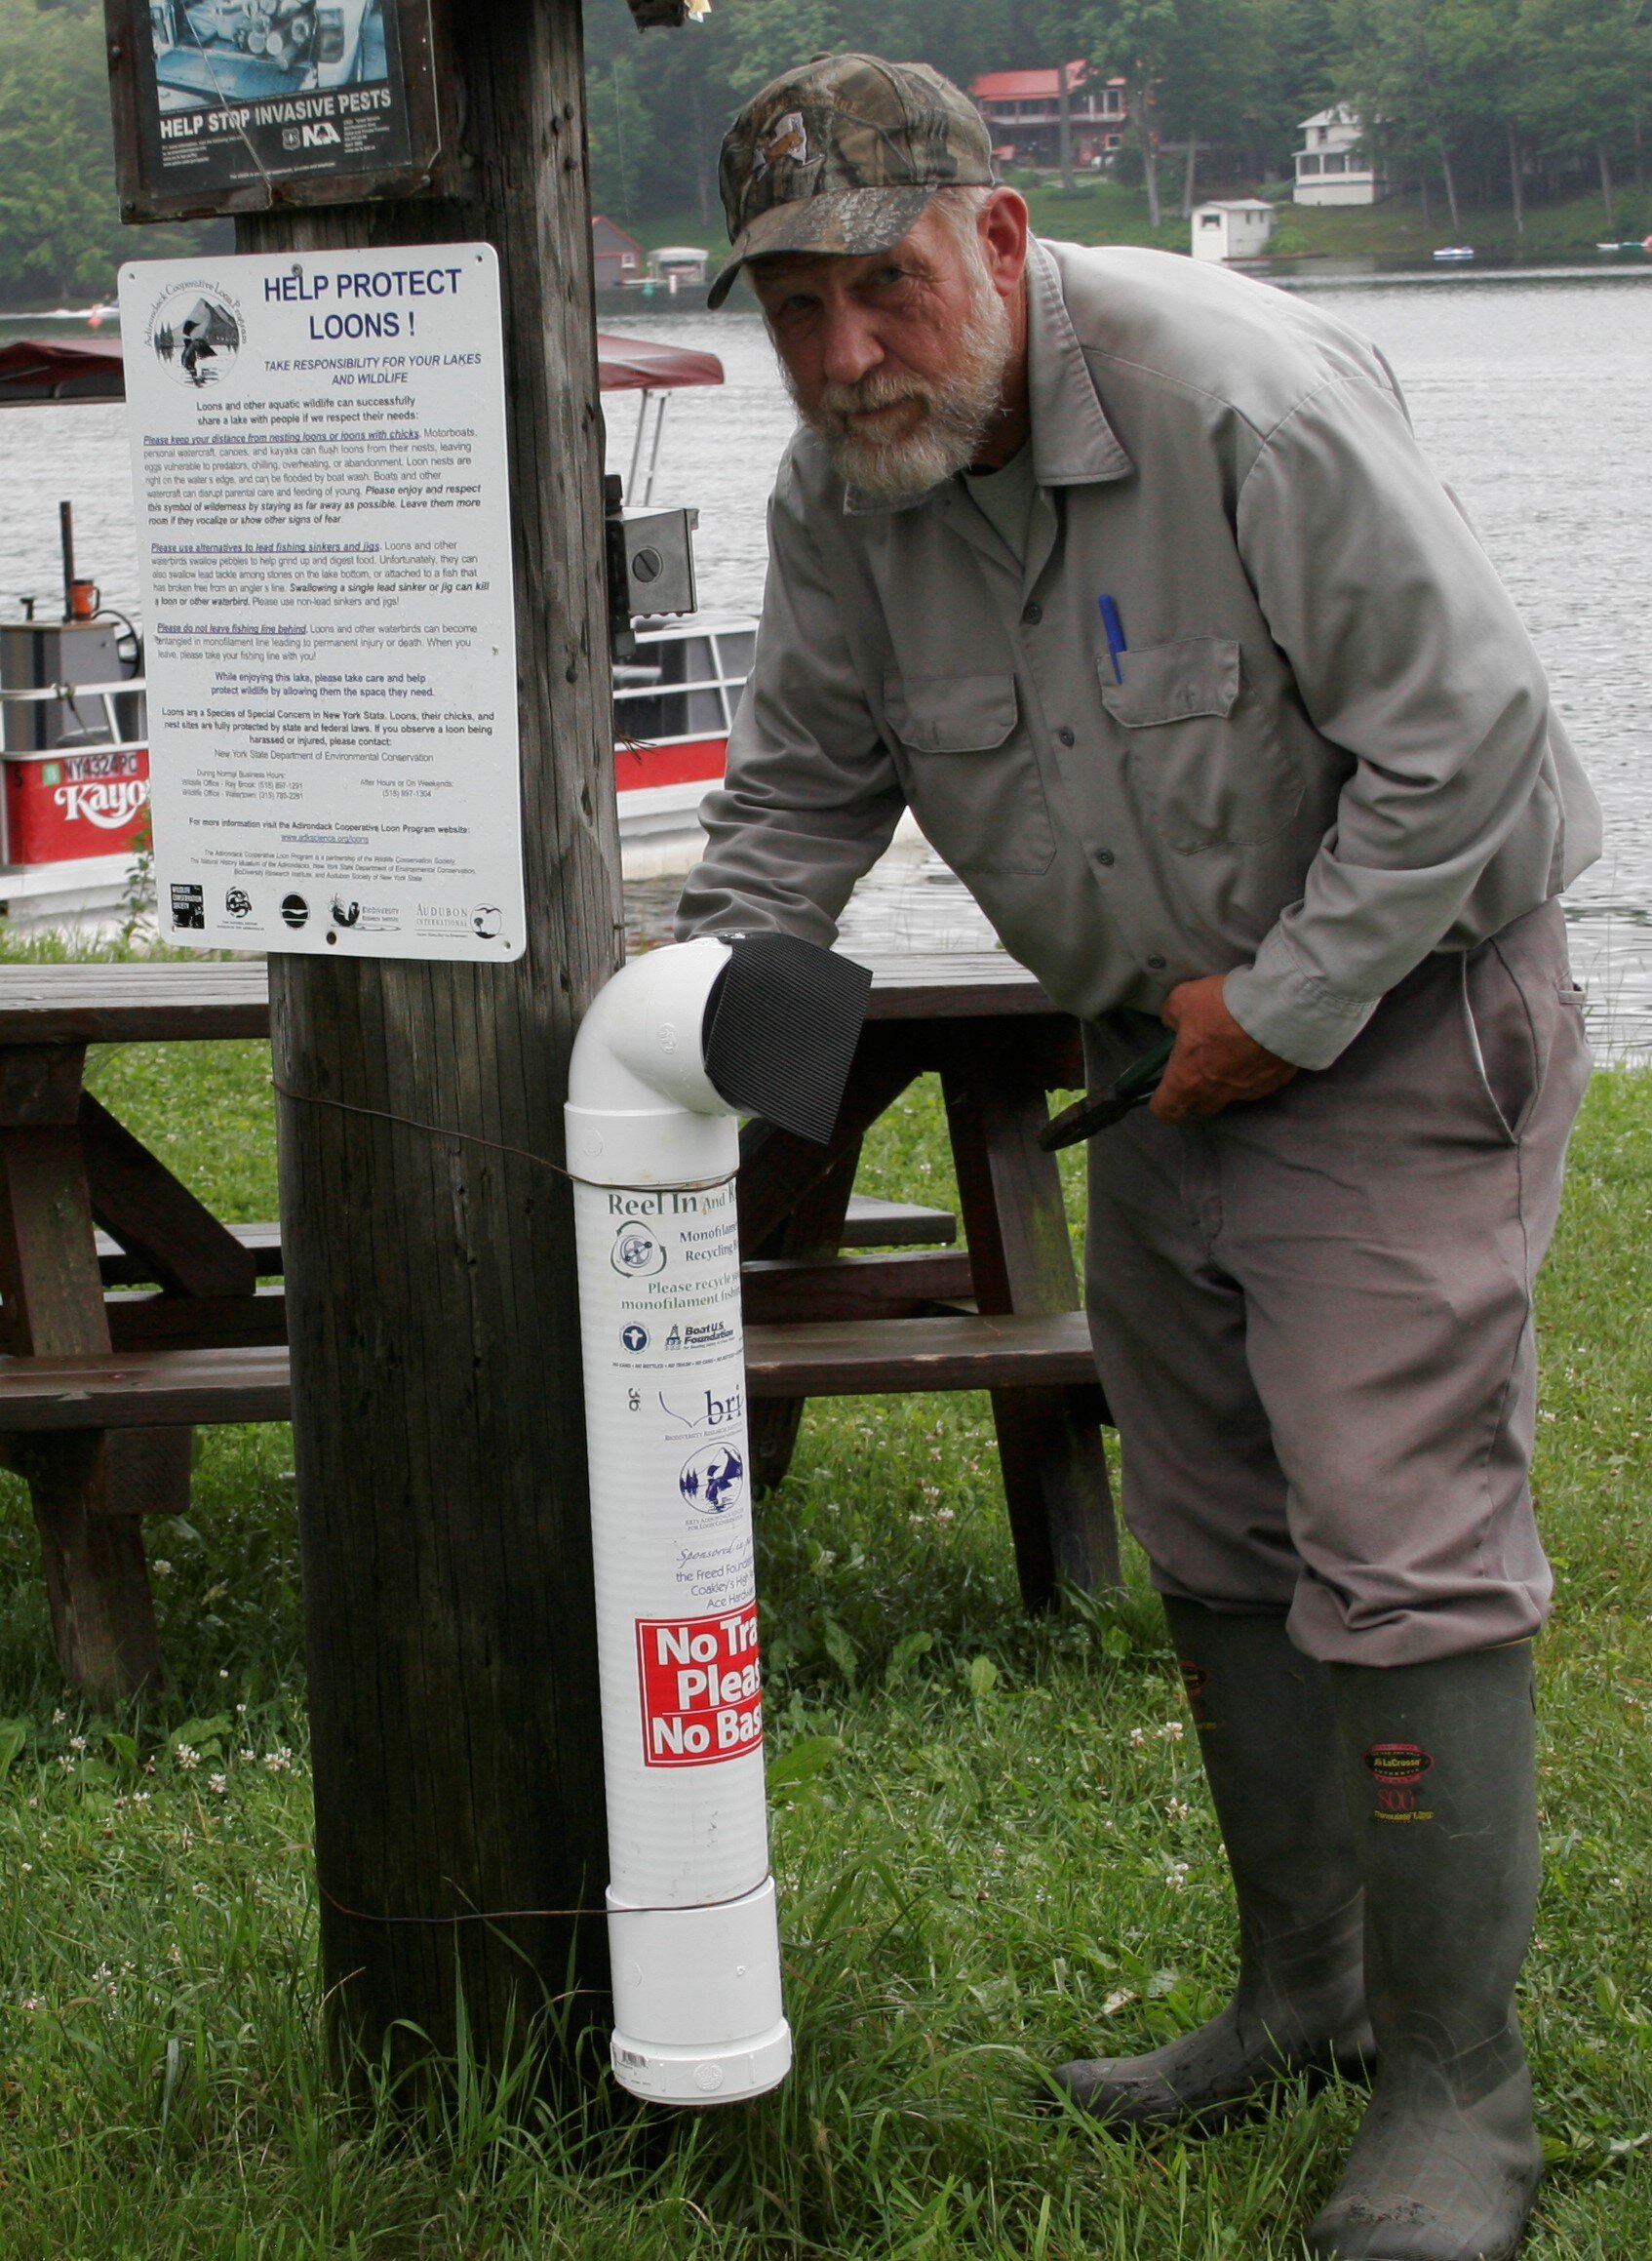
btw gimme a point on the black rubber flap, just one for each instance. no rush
(780, 1030)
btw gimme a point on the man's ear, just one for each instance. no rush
(1003, 225)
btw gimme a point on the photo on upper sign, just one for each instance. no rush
(211, 51)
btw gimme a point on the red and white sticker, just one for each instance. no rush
(701, 1688)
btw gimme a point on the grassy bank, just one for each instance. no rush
(993, 1847)
(1100, 212)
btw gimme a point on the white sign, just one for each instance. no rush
(318, 444)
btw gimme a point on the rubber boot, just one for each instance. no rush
(1441, 1764)
(1267, 1734)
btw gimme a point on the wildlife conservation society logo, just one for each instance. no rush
(196, 334)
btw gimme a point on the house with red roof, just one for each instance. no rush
(1023, 113)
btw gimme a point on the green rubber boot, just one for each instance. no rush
(1441, 1763)
(1267, 1734)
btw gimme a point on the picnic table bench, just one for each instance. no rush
(130, 1314)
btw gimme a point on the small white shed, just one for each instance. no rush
(1236, 228)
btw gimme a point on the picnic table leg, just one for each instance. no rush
(1021, 1259)
(102, 1614)
(812, 1233)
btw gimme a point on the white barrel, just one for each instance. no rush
(692, 1926)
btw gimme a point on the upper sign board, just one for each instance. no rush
(234, 105)
(318, 446)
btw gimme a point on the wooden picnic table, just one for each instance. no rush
(129, 1312)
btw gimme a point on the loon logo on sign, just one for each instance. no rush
(713, 1480)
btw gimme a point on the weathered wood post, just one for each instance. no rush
(439, 1422)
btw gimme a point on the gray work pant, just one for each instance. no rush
(1312, 1314)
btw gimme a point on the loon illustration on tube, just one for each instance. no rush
(674, 1047)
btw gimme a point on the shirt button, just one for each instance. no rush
(1032, 615)
(1066, 737)
(1104, 856)
(1157, 962)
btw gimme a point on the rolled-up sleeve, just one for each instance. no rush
(810, 798)
(1408, 653)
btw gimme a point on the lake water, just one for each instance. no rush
(1532, 391)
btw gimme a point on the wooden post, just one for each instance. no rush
(439, 1428)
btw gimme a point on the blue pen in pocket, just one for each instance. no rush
(1115, 631)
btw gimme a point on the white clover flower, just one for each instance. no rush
(1178, 1809)
(77, 1743)
(279, 1761)
(161, 1567)
(59, 1717)
(31, 2001)
(65, 1761)
(945, 1514)
(1138, 1738)
(1171, 1732)
(218, 1785)
(187, 1758)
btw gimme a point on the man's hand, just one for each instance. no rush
(1215, 1061)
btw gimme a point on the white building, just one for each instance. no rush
(1238, 228)
(1329, 169)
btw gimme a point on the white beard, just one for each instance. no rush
(957, 410)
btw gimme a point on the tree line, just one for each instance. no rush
(1493, 100)
(1468, 100)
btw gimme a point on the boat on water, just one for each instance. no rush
(74, 807)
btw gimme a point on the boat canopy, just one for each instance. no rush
(42, 369)
(36, 368)
(646, 365)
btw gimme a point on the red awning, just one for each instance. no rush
(33, 368)
(38, 368)
(644, 364)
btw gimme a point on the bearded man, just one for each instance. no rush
(1128, 577)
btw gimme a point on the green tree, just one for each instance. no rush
(60, 231)
(1585, 75)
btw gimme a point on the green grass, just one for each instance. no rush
(1001, 1857)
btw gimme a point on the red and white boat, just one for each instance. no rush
(674, 700)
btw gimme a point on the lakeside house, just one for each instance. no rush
(1235, 228)
(1330, 166)
(1022, 110)
(616, 256)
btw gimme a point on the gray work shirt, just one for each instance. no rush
(1331, 750)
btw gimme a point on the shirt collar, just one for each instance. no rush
(1072, 442)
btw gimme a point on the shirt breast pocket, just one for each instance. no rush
(1203, 757)
(971, 773)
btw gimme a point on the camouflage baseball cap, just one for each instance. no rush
(842, 155)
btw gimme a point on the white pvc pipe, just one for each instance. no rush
(692, 1930)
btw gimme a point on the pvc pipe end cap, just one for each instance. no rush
(728, 2072)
